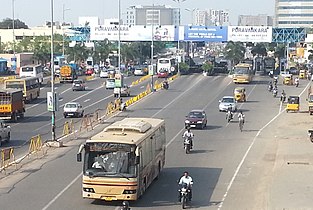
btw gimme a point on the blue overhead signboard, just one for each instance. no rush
(205, 33)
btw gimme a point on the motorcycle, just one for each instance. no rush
(165, 85)
(229, 116)
(123, 107)
(187, 144)
(275, 93)
(270, 87)
(310, 133)
(184, 195)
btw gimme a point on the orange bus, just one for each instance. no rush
(122, 161)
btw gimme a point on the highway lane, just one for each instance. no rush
(38, 120)
(218, 150)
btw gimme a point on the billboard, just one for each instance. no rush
(250, 33)
(205, 33)
(132, 33)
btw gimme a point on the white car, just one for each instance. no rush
(139, 72)
(104, 73)
(123, 91)
(227, 101)
(110, 83)
(73, 109)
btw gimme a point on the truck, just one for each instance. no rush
(67, 73)
(11, 104)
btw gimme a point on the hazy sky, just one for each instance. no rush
(36, 12)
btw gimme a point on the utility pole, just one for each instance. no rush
(52, 76)
(63, 24)
(152, 47)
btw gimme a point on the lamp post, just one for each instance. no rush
(13, 62)
(178, 1)
(152, 47)
(119, 40)
(191, 12)
(52, 76)
(63, 23)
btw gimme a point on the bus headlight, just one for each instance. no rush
(90, 190)
(129, 192)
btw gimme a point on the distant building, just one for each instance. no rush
(201, 18)
(211, 17)
(255, 20)
(219, 17)
(293, 13)
(148, 15)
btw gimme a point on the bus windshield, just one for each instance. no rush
(110, 160)
(14, 85)
(163, 61)
(241, 71)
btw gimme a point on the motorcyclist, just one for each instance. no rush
(241, 116)
(275, 80)
(123, 105)
(188, 134)
(165, 84)
(283, 96)
(186, 179)
(297, 81)
(229, 112)
(125, 206)
(270, 86)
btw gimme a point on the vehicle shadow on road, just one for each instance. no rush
(164, 192)
(199, 151)
(212, 127)
(37, 101)
(29, 119)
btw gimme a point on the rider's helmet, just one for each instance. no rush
(125, 204)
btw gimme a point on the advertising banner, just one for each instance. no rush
(132, 33)
(250, 33)
(205, 33)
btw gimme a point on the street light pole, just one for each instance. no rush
(152, 46)
(13, 32)
(119, 40)
(178, 1)
(63, 23)
(52, 76)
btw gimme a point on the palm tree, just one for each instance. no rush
(234, 51)
(259, 49)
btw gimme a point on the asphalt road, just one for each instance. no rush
(37, 119)
(217, 163)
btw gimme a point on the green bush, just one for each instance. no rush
(207, 67)
(184, 68)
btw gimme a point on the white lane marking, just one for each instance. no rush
(247, 152)
(61, 99)
(72, 182)
(142, 87)
(84, 108)
(87, 100)
(60, 193)
(65, 91)
(179, 96)
(60, 106)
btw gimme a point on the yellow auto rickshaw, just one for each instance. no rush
(293, 104)
(240, 94)
(288, 79)
(302, 74)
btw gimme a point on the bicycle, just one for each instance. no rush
(240, 124)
